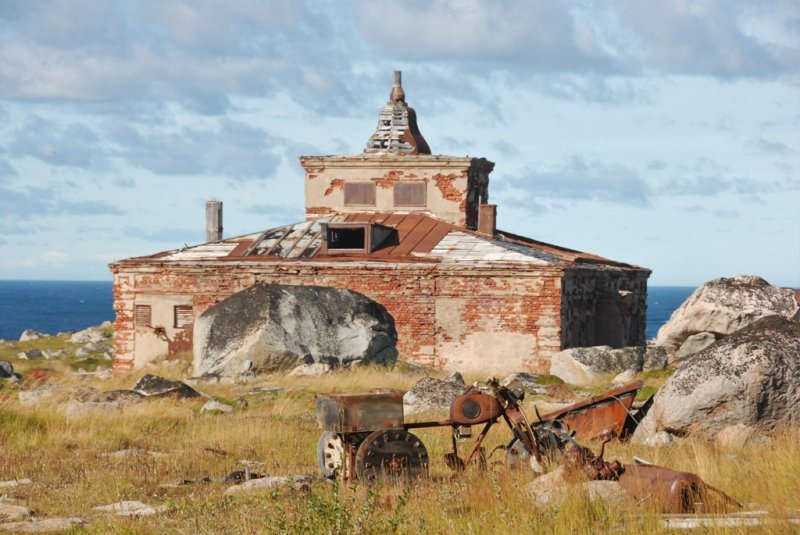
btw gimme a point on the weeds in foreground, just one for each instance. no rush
(64, 455)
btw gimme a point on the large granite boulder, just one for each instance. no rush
(270, 327)
(587, 365)
(433, 394)
(157, 387)
(749, 379)
(725, 305)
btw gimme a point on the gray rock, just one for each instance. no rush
(30, 334)
(133, 452)
(526, 381)
(311, 370)
(43, 526)
(14, 483)
(10, 512)
(131, 508)
(587, 365)
(87, 400)
(723, 306)
(551, 489)
(56, 354)
(92, 346)
(749, 378)
(298, 482)
(90, 335)
(433, 394)
(28, 398)
(6, 369)
(694, 343)
(280, 327)
(212, 405)
(655, 358)
(82, 352)
(624, 378)
(153, 386)
(30, 354)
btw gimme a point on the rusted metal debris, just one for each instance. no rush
(366, 438)
(602, 415)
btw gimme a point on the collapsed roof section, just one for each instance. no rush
(382, 237)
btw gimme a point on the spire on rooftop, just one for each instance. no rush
(397, 130)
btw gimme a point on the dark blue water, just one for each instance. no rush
(661, 303)
(53, 306)
(58, 306)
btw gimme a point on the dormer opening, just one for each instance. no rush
(356, 238)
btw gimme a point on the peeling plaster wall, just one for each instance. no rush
(453, 185)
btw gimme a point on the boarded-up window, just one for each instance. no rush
(359, 193)
(409, 194)
(141, 315)
(183, 315)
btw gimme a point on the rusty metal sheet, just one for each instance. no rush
(350, 412)
(602, 414)
(416, 235)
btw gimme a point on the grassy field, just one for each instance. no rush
(63, 455)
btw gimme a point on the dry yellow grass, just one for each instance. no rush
(64, 457)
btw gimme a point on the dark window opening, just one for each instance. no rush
(142, 315)
(347, 238)
(183, 315)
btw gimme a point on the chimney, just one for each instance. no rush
(487, 219)
(213, 220)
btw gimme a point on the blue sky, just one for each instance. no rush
(664, 134)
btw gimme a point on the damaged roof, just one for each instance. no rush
(417, 238)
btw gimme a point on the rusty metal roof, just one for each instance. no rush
(419, 238)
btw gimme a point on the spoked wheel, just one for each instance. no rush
(393, 455)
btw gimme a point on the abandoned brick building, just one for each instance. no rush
(413, 231)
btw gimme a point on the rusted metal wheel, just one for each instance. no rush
(329, 453)
(393, 455)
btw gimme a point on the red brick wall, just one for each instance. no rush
(524, 302)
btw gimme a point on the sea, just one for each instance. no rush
(59, 306)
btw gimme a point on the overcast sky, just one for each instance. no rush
(664, 134)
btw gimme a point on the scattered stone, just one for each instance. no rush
(88, 399)
(14, 483)
(526, 381)
(432, 394)
(298, 482)
(624, 378)
(30, 334)
(104, 372)
(43, 526)
(30, 354)
(10, 512)
(587, 365)
(749, 378)
(723, 306)
(6, 369)
(82, 352)
(212, 405)
(94, 347)
(153, 386)
(56, 354)
(695, 343)
(28, 398)
(131, 508)
(311, 370)
(90, 335)
(279, 327)
(133, 452)
(551, 489)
